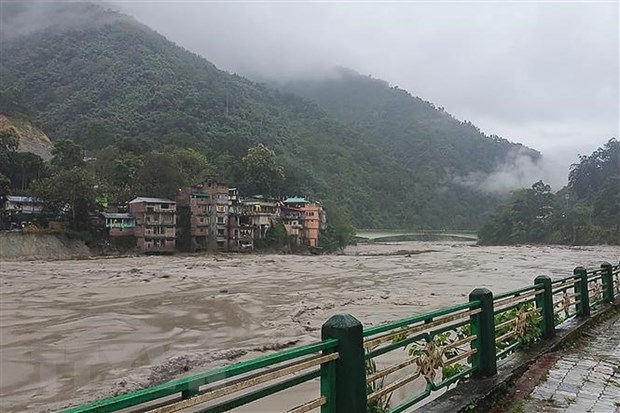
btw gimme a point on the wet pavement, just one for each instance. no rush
(585, 378)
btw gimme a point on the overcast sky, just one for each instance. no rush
(544, 74)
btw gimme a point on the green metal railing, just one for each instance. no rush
(443, 340)
(358, 370)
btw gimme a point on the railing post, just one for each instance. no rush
(581, 288)
(192, 391)
(484, 361)
(544, 301)
(608, 282)
(349, 395)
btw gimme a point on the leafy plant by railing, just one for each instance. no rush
(437, 347)
(446, 341)
(523, 320)
(382, 404)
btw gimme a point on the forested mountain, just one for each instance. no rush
(586, 212)
(425, 138)
(122, 91)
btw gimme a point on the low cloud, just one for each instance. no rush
(520, 170)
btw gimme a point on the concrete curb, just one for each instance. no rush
(482, 394)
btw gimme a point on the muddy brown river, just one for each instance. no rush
(74, 331)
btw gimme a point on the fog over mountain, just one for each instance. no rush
(544, 74)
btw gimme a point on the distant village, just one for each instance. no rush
(207, 217)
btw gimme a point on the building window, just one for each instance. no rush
(220, 232)
(221, 220)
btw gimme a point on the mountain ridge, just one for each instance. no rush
(119, 79)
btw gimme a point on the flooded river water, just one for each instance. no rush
(74, 331)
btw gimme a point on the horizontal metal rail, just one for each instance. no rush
(306, 407)
(424, 336)
(245, 383)
(369, 344)
(371, 331)
(519, 299)
(261, 393)
(519, 291)
(193, 382)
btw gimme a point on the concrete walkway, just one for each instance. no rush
(585, 378)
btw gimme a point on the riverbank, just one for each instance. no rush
(74, 331)
(16, 246)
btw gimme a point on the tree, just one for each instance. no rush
(527, 216)
(587, 177)
(67, 154)
(71, 191)
(340, 232)
(159, 176)
(276, 236)
(5, 186)
(25, 168)
(262, 173)
(193, 166)
(9, 141)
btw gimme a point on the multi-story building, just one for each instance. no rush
(203, 217)
(260, 214)
(312, 219)
(240, 229)
(293, 220)
(155, 229)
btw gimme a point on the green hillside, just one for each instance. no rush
(100, 78)
(414, 131)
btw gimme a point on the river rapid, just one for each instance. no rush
(74, 331)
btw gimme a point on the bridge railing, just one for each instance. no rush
(441, 349)
(359, 370)
(253, 378)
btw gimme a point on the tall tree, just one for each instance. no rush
(193, 166)
(9, 141)
(25, 168)
(159, 176)
(262, 172)
(70, 191)
(67, 154)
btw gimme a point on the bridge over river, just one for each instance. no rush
(421, 235)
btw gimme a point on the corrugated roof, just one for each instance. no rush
(296, 200)
(15, 198)
(153, 200)
(116, 215)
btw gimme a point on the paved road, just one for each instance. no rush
(585, 378)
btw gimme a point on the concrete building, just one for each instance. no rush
(293, 220)
(312, 219)
(155, 229)
(260, 214)
(240, 229)
(203, 217)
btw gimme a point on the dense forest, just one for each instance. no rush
(151, 115)
(586, 212)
